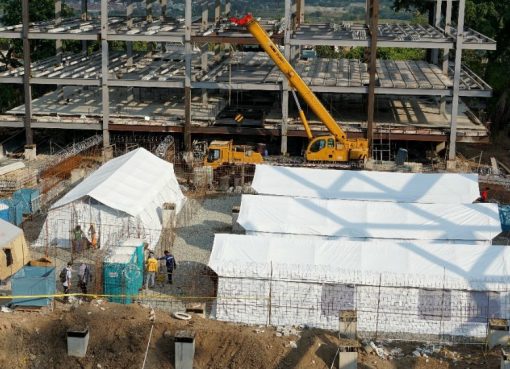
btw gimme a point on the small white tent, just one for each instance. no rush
(122, 199)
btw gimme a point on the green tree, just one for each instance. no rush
(491, 18)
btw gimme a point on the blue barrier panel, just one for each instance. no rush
(504, 216)
(32, 281)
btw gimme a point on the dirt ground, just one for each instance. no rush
(119, 336)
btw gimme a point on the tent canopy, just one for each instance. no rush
(446, 188)
(344, 261)
(8, 233)
(363, 219)
(128, 183)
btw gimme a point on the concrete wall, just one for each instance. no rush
(387, 310)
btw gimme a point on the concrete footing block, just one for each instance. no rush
(236, 227)
(77, 342)
(30, 152)
(347, 357)
(498, 333)
(184, 349)
(348, 324)
(505, 359)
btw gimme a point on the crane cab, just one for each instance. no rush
(328, 149)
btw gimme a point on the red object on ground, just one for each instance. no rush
(485, 195)
(242, 21)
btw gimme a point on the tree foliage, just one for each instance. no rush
(491, 18)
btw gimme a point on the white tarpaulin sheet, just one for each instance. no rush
(446, 188)
(122, 199)
(345, 261)
(363, 219)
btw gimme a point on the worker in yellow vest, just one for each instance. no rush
(151, 268)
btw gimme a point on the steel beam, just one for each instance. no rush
(104, 73)
(175, 37)
(142, 83)
(66, 81)
(366, 43)
(26, 76)
(232, 39)
(63, 36)
(456, 80)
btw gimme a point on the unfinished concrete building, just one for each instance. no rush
(192, 77)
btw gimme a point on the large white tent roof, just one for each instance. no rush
(128, 183)
(363, 219)
(8, 232)
(443, 188)
(343, 261)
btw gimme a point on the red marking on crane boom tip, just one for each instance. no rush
(242, 21)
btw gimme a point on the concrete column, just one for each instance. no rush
(285, 85)
(58, 20)
(446, 52)
(373, 26)
(205, 18)
(84, 17)
(187, 76)
(456, 80)
(217, 11)
(300, 12)
(205, 69)
(27, 88)
(437, 23)
(164, 9)
(148, 10)
(104, 71)
(228, 7)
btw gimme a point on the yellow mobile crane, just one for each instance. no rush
(335, 147)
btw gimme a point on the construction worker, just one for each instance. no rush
(484, 197)
(65, 277)
(170, 264)
(151, 268)
(77, 238)
(84, 277)
(93, 236)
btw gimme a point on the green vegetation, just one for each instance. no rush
(491, 18)
(391, 53)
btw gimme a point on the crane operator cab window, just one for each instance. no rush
(331, 143)
(318, 145)
(213, 155)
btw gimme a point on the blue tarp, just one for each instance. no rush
(23, 202)
(32, 281)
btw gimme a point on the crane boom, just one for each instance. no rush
(293, 77)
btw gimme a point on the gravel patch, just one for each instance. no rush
(194, 240)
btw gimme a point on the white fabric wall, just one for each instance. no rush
(446, 188)
(300, 303)
(111, 225)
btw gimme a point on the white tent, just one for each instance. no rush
(396, 288)
(122, 199)
(446, 188)
(363, 219)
